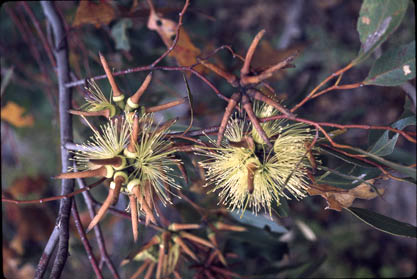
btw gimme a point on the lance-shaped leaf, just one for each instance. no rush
(394, 67)
(409, 171)
(384, 223)
(377, 20)
(258, 221)
(347, 176)
(385, 145)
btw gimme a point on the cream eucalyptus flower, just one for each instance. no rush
(106, 143)
(152, 160)
(271, 128)
(96, 101)
(246, 173)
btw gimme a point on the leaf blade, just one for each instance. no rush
(377, 20)
(383, 223)
(258, 221)
(411, 172)
(394, 67)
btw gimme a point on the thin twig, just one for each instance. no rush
(97, 231)
(84, 240)
(150, 68)
(341, 126)
(337, 87)
(53, 198)
(310, 95)
(177, 33)
(38, 28)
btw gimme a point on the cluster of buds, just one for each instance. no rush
(98, 105)
(162, 253)
(130, 149)
(247, 172)
(140, 167)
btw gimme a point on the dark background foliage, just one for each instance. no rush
(325, 34)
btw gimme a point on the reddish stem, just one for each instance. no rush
(38, 28)
(84, 240)
(56, 197)
(341, 126)
(310, 95)
(177, 33)
(337, 87)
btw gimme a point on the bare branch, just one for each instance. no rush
(61, 56)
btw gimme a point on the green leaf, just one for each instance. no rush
(347, 176)
(384, 146)
(258, 221)
(344, 158)
(381, 144)
(394, 67)
(402, 123)
(383, 223)
(377, 20)
(119, 34)
(411, 172)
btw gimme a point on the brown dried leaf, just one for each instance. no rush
(265, 56)
(338, 198)
(32, 223)
(27, 185)
(185, 52)
(98, 14)
(13, 114)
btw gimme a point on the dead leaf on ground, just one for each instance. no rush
(338, 198)
(185, 52)
(32, 223)
(12, 267)
(13, 114)
(89, 12)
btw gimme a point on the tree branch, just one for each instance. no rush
(61, 56)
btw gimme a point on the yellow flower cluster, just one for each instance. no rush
(248, 173)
